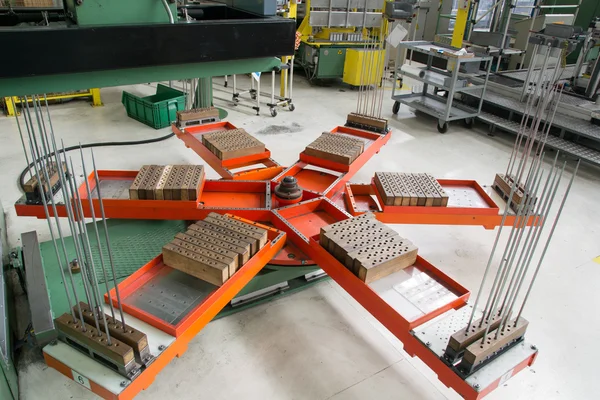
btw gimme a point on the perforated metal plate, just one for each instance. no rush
(466, 197)
(412, 292)
(113, 189)
(170, 296)
(436, 334)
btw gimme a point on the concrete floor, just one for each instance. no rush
(320, 343)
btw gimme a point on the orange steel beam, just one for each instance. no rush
(191, 137)
(300, 223)
(389, 317)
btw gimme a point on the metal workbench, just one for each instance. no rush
(426, 100)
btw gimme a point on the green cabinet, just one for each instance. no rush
(331, 62)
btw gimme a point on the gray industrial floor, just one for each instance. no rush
(320, 343)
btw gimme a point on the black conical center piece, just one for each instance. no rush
(288, 189)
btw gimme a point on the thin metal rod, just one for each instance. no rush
(96, 232)
(89, 247)
(533, 129)
(22, 141)
(509, 301)
(110, 254)
(73, 226)
(513, 188)
(537, 226)
(54, 210)
(545, 103)
(550, 235)
(490, 259)
(63, 185)
(97, 307)
(511, 248)
(520, 134)
(37, 106)
(506, 270)
(47, 214)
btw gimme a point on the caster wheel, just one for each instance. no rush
(469, 123)
(273, 112)
(396, 107)
(291, 107)
(442, 128)
(225, 84)
(235, 99)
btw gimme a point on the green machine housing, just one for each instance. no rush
(116, 12)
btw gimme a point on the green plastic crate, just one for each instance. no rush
(158, 110)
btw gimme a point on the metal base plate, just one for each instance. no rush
(436, 333)
(412, 292)
(90, 370)
(170, 296)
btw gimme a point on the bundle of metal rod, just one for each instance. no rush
(369, 101)
(102, 339)
(484, 339)
(541, 106)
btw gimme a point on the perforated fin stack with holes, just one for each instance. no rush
(232, 143)
(215, 248)
(336, 147)
(400, 189)
(367, 247)
(168, 182)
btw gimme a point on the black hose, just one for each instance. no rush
(88, 145)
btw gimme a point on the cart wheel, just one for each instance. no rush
(442, 128)
(273, 112)
(291, 107)
(469, 123)
(396, 107)
(253, 96)
(225, 84)
(235, 99)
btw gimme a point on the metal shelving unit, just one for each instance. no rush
(443, 108)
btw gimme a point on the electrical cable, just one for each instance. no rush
(89, 145)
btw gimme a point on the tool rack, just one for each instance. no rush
(441, 107)
(328, 197)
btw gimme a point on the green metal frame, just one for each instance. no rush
(118, 12)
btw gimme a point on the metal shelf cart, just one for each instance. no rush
(435, 80)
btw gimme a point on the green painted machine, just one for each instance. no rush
(118, 12)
